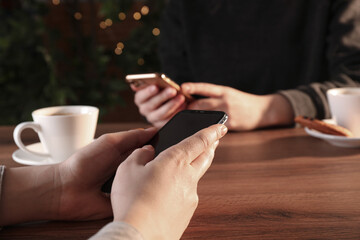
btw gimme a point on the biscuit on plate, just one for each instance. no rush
(323, 127)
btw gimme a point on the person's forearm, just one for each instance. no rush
(28, 194)
(277, 111)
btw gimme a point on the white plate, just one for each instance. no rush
(340, 141)
(22, 157)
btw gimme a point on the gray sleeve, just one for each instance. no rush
(343, 58)
(117, 231)
(311, 100)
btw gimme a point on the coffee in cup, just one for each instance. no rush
(345, 108)
(62, 130)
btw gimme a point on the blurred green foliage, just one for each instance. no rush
(35, 72)
(142, 43)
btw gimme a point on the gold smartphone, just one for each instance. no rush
(140, 81)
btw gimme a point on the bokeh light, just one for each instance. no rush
(144, 10)
(156, 32)
(137, 16)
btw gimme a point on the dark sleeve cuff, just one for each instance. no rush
(300, 102)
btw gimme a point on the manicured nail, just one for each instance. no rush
(152, 88)
(180, 98)
(224, 130)
(185, 88)
(150, 129)
(170, 91)
(148, 147)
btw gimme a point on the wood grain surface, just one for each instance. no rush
(266, 184)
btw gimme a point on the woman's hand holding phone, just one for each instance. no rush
(157, 97)
(161, 203)
(159, 105)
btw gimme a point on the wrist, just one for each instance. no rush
(143, 221)
(28, 194)
(277, 111)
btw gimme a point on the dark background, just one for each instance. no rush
(75, 52)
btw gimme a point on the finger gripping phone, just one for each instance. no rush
(182, 125)
(140, 81)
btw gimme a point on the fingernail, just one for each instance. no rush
(180, 98)
(148, 147)
(150, 129)
(152, 88)
(224, 130)
(170, 91)
(185, 87)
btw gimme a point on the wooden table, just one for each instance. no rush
(268, 184)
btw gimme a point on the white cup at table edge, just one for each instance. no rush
(344, 106)
(60, 135)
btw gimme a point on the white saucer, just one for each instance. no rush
(22, 157)
(340, 141)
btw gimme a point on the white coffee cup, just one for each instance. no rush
(345, 108)
(62, 130)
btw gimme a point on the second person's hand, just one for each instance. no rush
(246, 111)
(158, 106)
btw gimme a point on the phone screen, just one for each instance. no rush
(182, 125)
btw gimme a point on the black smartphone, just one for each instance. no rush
(182, 125)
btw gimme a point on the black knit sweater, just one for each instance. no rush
(262, 46)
